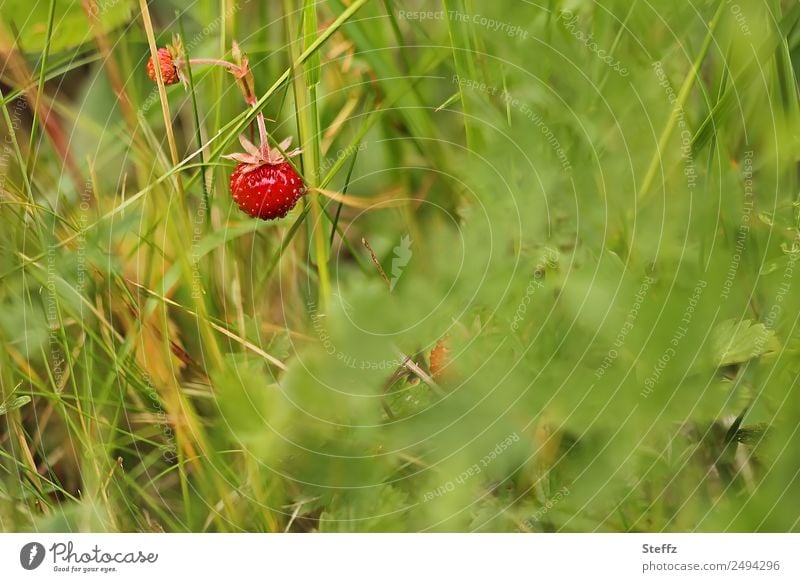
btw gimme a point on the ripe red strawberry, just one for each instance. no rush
(264, 185)
(168, 69)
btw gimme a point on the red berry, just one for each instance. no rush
(169, 71)
(264, 184)
(268, 191)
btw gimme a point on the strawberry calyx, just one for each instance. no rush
(253, 156)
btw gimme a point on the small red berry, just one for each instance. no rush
(168, 69)
(264, 185)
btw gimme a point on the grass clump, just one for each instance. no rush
(542, 277)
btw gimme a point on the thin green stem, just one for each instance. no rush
(344, 191)
(460, 40)
(198, 132)
(308, 124)
(40, 88)
(678, 108)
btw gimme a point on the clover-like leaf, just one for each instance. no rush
(736, 343)
(17, 402)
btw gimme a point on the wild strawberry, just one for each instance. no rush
(169, 71)
(264, 185)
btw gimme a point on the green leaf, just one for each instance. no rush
(18, 402)
(71, 23)
(310, 27)
(735, 343)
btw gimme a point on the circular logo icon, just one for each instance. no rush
(31, 555)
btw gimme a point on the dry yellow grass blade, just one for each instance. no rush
(388, 200)
(229, 334)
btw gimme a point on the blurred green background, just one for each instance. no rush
(585, 316)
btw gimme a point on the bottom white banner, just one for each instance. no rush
(400, 557)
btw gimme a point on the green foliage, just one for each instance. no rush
(735, 343)
(70, 28)
(16, 403)
(558, 347)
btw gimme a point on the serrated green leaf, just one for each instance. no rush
(735, 343)
(71, 24)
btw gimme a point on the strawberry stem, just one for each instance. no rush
(215, 62)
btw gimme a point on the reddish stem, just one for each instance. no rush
(249, 97)
(217, 62)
